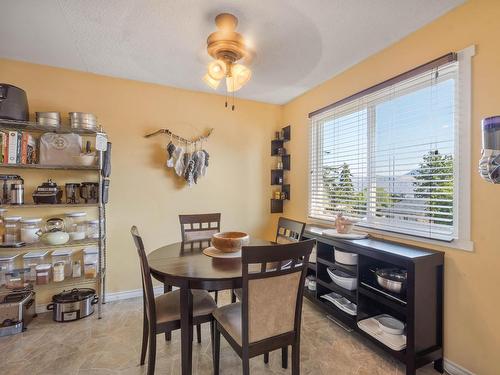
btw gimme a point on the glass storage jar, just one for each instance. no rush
(76, 225)
(93, 229)
(2, 224)
(11, 229)
(58, 273)
(14, 280)
(77, 268)
(31, 230)
(63, 256)
(43, 274)
(31, 260)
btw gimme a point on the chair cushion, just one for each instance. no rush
(229, 317)
(168, 305)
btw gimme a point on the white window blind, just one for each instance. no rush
(388, 157)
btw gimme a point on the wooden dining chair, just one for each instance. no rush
(269, 316)
(287, 231)
(162, 313)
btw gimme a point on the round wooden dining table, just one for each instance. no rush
(184, 265)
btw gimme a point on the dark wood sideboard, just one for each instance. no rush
(421, 307)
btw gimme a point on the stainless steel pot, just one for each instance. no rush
(391, 279)
(73, 305)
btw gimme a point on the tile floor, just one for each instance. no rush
(112, 346)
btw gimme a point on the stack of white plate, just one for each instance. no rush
(386, 329)
(341, 302)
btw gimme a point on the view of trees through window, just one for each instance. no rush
(393, 159)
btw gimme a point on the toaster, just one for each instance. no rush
(13, 103)
(17, 310)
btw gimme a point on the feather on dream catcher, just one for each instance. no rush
(186, 157)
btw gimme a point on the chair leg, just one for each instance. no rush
(144, 346)
(216, 297)
(233, 296)
(216, 351)
(284, 357)
(152, 353)
(167, 288)
(198, 333)
(266, 358)
(296, 359)
(246, 365)
(212, 323)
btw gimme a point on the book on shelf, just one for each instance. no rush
(17, 147)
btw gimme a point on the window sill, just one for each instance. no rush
(460, 244)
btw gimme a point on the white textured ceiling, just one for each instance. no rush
(298, 43)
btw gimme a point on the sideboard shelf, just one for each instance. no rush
(420, 308)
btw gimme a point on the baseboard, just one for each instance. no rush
(127, 294)
(455, 369)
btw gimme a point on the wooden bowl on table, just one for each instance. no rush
(230, 242)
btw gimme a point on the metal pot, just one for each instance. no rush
(73, 305)
(391, 279)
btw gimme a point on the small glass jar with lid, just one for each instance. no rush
(30, 229)
(76, 225)
(12, 226)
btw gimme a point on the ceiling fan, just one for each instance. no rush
(227, 47)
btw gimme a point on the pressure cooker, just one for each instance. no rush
(73, 304)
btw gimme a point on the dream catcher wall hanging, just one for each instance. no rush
(187, 158)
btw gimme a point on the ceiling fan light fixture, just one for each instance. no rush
(241, 74)
(213, 83)
(217, 69)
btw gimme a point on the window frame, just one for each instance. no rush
(462, 162)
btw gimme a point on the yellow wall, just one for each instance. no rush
(143, 192)
(472, 279)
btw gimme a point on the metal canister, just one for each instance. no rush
(17, 193)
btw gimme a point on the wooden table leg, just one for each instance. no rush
(167, 288)
(186, 330)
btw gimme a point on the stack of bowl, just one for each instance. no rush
(83, 121)
(48, 119)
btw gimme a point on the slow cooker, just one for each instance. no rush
(73, 304)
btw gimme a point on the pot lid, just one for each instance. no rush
(35, 254)
(75, 214)
(31, 220)
(74, 295)
(62, 252)
(12, 218)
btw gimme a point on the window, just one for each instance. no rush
(389, 156)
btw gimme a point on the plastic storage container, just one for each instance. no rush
(63, 256)
(77, 268)
(14, 280)
(90, 261)
(346, 258)
(30, 229)
(43, 274)
(31, 260)
(7, 262)
(342, 279)
(76, 226)
(12, 229)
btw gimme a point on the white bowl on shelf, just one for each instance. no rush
(390, 325)
(344, 257)
(343, 279)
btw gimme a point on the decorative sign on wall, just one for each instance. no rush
(188, 158)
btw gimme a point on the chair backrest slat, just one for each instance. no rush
(147, 284)
(272, 296)
(199, 227)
